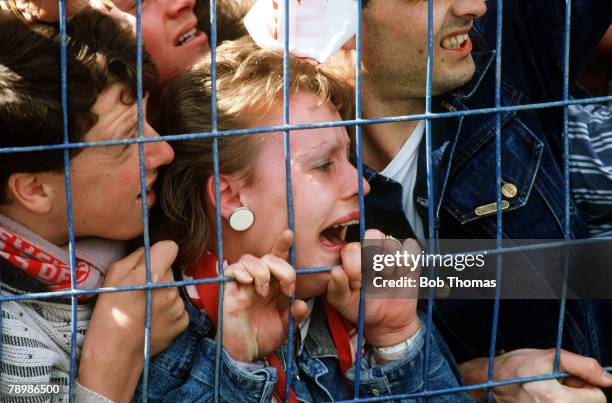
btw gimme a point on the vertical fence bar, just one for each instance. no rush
(566, 181)
(430, 190)
(68, 185)
(359, 162)
(218, 222)
(498, 179)
(144, 206)
(290, 222)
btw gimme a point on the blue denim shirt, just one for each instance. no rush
(463, 158)
(185, 371)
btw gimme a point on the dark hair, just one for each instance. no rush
(229, 18)
(100, 52)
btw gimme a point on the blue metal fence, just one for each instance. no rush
(359, 123)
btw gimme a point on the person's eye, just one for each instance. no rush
(325, 166)
(123, 148)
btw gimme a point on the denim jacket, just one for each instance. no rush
(463, 159)
(185, 371)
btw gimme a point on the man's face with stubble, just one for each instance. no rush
(395, 45)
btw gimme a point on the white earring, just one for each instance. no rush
(241, 219)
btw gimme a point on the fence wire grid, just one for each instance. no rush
(358, 122)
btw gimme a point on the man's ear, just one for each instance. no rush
(33, 191)
(229, 191)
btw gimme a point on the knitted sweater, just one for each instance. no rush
(36, 348)
(36, 336)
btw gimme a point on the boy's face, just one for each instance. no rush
(170, 34)
(105, 181)
(395, 45)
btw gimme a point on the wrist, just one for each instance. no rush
(398, 351)
(239, 356)
(113, 373)
(385, 337)
(239, 349)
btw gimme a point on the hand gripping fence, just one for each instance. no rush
(358, 122)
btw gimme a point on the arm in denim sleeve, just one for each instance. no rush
(405, 376)
(235, 382)
(173, 378)
(185, 370)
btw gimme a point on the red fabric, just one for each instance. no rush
(40, 264)
(339, 327)
(279, 388)
(209, 292)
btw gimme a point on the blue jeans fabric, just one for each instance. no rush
(464, 169)
(184, 372)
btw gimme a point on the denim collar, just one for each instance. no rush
(319, 342)
(445, 133)
(483, 59)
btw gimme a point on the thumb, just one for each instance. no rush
(351, 263)
(299, 309)
(163, 254)
(282, 244)
(338, 289)
(119, 268)
(132, 260)
(587, 394)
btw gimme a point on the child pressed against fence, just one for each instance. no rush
(256, 244)
(34, 254)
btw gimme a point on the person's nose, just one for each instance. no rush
(156, 153)
(352, 184)
(469, 8)
(174, 8)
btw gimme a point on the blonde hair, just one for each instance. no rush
(249, 85)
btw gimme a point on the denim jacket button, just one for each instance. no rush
(375, 392)
(509, 190)
(490, 208)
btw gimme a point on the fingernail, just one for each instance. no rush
(606, 377)
(264, 289)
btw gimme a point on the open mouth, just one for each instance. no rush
(454, 42)
(335, 235)
(187, 36)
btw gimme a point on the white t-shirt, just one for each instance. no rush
(403, 169)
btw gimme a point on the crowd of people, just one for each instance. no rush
(185, 198)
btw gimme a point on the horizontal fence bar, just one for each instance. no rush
(299, 272)
(280, 128)
(448, 391)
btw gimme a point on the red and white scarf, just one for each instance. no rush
(50, 263)
(206, 297)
